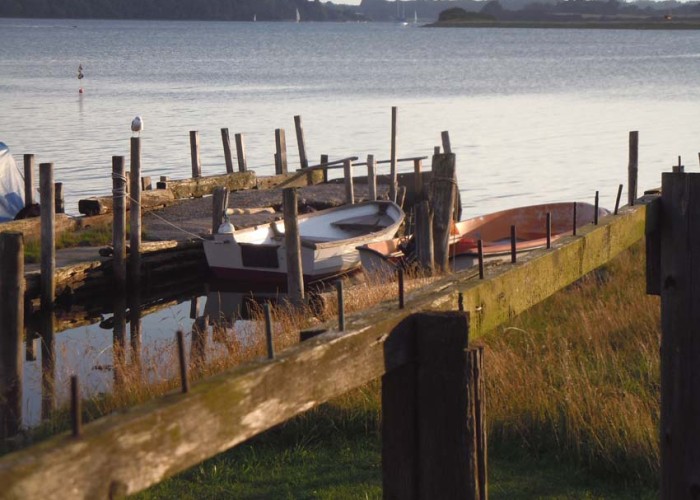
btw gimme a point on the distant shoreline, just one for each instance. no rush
(615, 25)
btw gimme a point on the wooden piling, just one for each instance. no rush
(11, 332)
(119, 223)
(48, 362)
(48, 235)
(442, 201)
(393, 183)
(548, 229)
(28, 179)
(146, 183)
(436, 150)
(480, 257)
(426, 419)
(595, 209)
(446, 146)
(401, 287)
(76, 412)
(633, 167)
(341, 305)
(281, 147)
(477, 388)
(119, 340)
(324, 161)
(194, 154)
(184, 381)
(240, 153)
(371, 177)
(349, 187)
(219, 205)
(418, 178)
(303, 161)
(574, 221)
(617, 200)
(226, 141)
(59, 203)
(295, 272)
(134, 266)
(680, 336)
(513, 245)
(268, 331)
(424, 237)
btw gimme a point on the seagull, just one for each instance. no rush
(137, 125)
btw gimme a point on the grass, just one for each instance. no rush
(572, 405)
(83, 238)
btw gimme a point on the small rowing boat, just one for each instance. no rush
(258, 255)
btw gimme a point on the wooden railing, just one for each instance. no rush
(127, 452)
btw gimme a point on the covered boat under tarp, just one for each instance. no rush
(11, 186)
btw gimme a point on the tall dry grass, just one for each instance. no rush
(578, 375)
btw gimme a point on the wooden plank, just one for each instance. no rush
(680, 335)
(100, 205)
(181, 430)
(196, 188)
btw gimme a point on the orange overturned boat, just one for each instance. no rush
(494, 232)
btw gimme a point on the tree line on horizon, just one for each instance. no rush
(315, 10)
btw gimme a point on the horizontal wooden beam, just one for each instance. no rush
(201, 186)
(127, 452)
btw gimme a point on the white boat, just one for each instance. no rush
(329, 238)
(384, 257)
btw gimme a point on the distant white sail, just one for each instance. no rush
(255, 17)
(298, 16)
(415, 17)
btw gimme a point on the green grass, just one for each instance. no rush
(84, 238)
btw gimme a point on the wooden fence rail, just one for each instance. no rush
(127, 452)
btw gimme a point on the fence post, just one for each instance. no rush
(303, 161)
(194, 153)
(392, 185)
(11, 332)
(442, 201)
(28, 179)
(680, 335)
(135, 214)
(633, 167)
(48, 235)
(428, 433)
(59, 203)
(418, 179)
(219, 204)
(349, 188)
(371, 178)
(119, 222)
(226, 140)
(424, 237)
(295, 272)
(281, 147)
(240, 153)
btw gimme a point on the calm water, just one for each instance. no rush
(533, 115)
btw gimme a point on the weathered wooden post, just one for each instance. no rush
(146, 183)
(184, 379)
(268, 331)
(48, 362)
(393, 183)
(240, 153)
(194, 154)
(617, 199)
(219, 205)
(680, 335)
(281, 148)
(226, 141)
(59, 203)
(349, 187)
(424, 237)
(633, 167)
(418, 178)
(324, 161)
(428, 427)
(135, 215)
(295, 272)
(48, 235)
(371, 177)
(11, 332)
(477, 389)
(119, 223)
(303, 161)
(119, 340)
(513, 244)
(28, 179)
(442, 201)
(446, 146)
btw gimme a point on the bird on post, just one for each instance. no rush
(136, 125)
